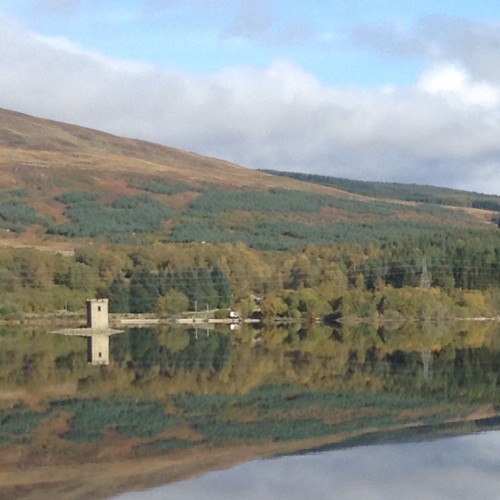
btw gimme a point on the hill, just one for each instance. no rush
(398, 191)
(62, 183)
(28, 144)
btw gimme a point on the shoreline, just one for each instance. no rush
(127, 319)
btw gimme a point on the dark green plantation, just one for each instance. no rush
(16, 214)
(276, 219)
(125, 215)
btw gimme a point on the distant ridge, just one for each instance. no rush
(399, 191)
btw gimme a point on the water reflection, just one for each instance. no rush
(207, 399)
(458, 468)
(97, 343)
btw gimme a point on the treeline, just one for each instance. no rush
(169, 292)
(321, 280)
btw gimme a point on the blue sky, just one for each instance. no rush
(379, 90)
(203, 36)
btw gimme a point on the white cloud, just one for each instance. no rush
(451, 80)
(444, 130)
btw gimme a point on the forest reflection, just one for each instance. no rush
(167, 391)
(447, 360)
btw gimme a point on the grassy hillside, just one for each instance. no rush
(62, 184)
(37, 147)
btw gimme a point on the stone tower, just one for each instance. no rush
(97, 331)
(97, 314)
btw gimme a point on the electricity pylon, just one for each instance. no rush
(425, 282)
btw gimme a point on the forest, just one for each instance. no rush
(328, 282)
(169, 248)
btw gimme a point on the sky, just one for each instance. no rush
(383, 90)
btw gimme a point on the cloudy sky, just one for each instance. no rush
(388, 90)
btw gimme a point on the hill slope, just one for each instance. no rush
(26, 141)
(60, 183)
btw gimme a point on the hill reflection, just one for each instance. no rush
(209, 398)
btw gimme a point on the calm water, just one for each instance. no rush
(454, 468)
(391, 413)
